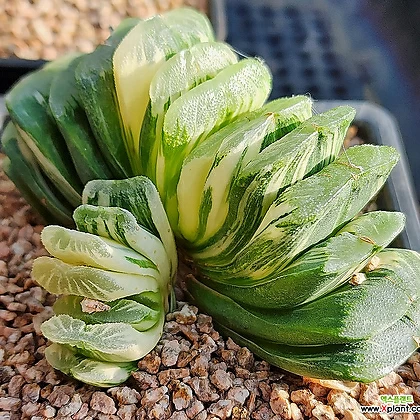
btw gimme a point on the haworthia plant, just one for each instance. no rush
(114, 295)
(169, 135)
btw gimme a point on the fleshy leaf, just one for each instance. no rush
(308, 212)
(139, 196)
(61, 278)
(116, 342)
(127, 311)
(139, 56)
(81, 248)
(181, 73)
(28, 106)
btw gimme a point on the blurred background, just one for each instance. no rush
(330, 49)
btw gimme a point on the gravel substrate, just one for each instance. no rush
(192, 374)
(47, 29)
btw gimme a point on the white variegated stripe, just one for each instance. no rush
(93, 372)
(139, 56)
(62, 278)
(178, 75)
(81, 248)
(140, 197)
(120, 225)
(304, 150)
(311, 210)
(200, 111)
(51, 170)
(113, 342)
(240, 139)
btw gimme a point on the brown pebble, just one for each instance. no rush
(160, 410)
(199, 366)
(7, 315)
(82, 413)
(221, 408)
(340, 401)
(202, 388)
(369, 394)
(4, 250)
(323, 412)
(29, 409)
(9, 403)
(179, 415)
(60, 395)
(170, 352)
(102, 403)
(30, 392)
(295, 412)
(190, 332)
(185, 357)
(127, 412)
(151, 396)
(305, 399)
(353, 415)
(16, 307)
(48, 411)
(229, 356)
(221, 380)
(182, 395)
(168, 375)
(145, 380)
(204, 323)
(245, 358)
(279, 401)
(238, 394)
(150, 363)
(187, 315)
(124, 395)
(194, 409)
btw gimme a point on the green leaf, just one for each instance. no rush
(233, 139)
(127, 311)
(320, 269)
(64, 103)
(61, 278)
(364, 361)
(96, 88)
(23, 169)
(308, 212)
(247, 175)
(121, 226)
(81, 248)
(347, 314)
(89, 371)
(139, 56)
(300, 153)
(27, 103)
(200, 112)
(115, 342)
(139, 196)
(181, 73)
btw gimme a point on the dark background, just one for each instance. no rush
(339, 49)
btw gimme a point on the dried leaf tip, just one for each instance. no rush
(357, 278)
(417, 340)
(373, 264)
(90, 306)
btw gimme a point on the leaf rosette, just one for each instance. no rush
(163, 134)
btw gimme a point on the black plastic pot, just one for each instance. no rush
(378, 126)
